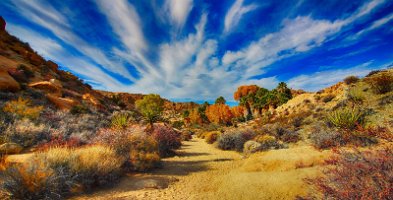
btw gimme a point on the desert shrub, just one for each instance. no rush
(59, 171)
(26, 133)
(178, 124)
(279, 131)
(386, 100)
(79, 109)
(287, 135)
(117, 139)
(354, 174)
(91, 166)
(211, 137)
(328, 98)
(345, 118)
(58, 140)
(120, 120)
(297, 121)
(381, 83)
(186, 135)
(378, 132)
(22, 108)
(356, 95)
(168, 139)
(351, 79)
(234, 139)
(374, 72)
(321, 137)
(268, 142)
(36, 181)
(83, 126)
(144, 153)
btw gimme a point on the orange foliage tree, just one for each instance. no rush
(245, 90)
(219, 114)
(195, 117)
(238, 111)
(245, 94)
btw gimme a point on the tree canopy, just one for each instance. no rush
(151, 107)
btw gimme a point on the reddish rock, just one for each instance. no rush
(62, 103)
(53, 66)
(52, 87)
(36, 59)
(2, 24)
(7, 83)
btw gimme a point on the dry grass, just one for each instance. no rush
(284, 159)
(22, 108)
(100, 159)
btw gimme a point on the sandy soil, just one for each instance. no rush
(200, 171)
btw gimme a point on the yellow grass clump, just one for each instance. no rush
(22, 108)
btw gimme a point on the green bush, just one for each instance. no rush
(120, 120)
(79, 109)
(356, 95)
(345, 118)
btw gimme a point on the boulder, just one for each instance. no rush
(2, 24)
(62, 103)
(36, 59)
(52, 86)
(91, 99)
(7, 83)
(251, 147)
(10, 148)
(53, 66)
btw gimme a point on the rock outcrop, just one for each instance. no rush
(2, 24)
(62, 103)
(7, 83)
(52, 86)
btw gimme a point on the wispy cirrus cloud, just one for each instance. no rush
(178, 11)
(235, 13)
(43, 14)
(51, 49)
(190, 56)
(322, 79)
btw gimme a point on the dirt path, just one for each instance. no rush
(203, 172)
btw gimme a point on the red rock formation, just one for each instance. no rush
(2, 24)
(53, 66)
(7, 83)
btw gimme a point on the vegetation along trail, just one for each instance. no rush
(201, 171)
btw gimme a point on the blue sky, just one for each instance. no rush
(198, 50)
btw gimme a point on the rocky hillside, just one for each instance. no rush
(23, 72)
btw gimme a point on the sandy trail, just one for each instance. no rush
(200, 171)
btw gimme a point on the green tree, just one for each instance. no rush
(151, 107)
(220, 100)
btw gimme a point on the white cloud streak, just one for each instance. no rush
(51, 49)
(235, 13)
(45, 15)
(318, 80)
(189, 66)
